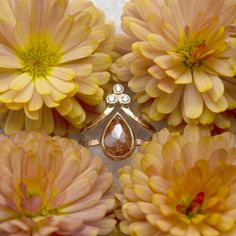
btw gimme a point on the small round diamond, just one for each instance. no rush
(124, 99)
(118, 89)
(112, 99)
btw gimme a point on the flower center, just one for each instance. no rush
(192, 50)
(190, 208)
(31, 202)
(39, 56)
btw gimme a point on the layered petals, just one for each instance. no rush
(68, 193)
(180, 184)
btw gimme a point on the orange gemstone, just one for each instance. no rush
(118, 139)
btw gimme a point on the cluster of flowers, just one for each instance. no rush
(179, 60)
(56, 59)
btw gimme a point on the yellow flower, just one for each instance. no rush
(53, 185)
(175, 55)
(54, 60)
(181, 185)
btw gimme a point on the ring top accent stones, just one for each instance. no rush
(112, 99)
(118, 96)
(118, 89)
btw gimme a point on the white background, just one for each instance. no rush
(112, 9)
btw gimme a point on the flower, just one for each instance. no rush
(54, 61)
(175, 58)
(53, 185)
(181, 185)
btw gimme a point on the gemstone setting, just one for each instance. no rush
(118, 139)
(124, 99)
(112, 99)
(118, 89)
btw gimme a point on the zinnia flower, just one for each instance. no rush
(176, 54)
(181, 185)
(54, 60)
(53, 185)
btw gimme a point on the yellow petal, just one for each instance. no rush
(225, 223)
(207, 116)
(14, 122)
(141, 228)
(25, 95)
(175, 118)
(75, 37)
(193, 231)
(88, 86)
(102, 77)
(60, 85)
(47, 124)
(64, 73)
(185, 78)
(151, 88)
(217, 90)
(138, 84)
(192, 102)
(153, 113)
(167, 85)
(207, 230)
(202, 81)
(36, 102)
(55, 14)
(49, 102)
(158, 42)
(8, 96)
(65, 107)
(21, 82)
(222, 121)
(219, 106)
(8, 59)
(220, 66)
(176, 72)
(165, 61)
(33, 115)
(100, 61)
(5, 80)
(42, 86)
(77, 53)
(138, 30)
(168, 102)
(82, 70)
(64, 29)
(33, 124)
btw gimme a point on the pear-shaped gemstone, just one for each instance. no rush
(118, 139)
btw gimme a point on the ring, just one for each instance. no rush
(118, 140)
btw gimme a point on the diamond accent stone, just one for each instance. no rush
(118, 139)
(124, 99)
(118, 89)
(112, 99)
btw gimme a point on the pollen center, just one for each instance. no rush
(189, 207)
(39, 56)
(193, 50)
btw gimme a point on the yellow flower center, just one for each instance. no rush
(191, 208)
(192, 50)
(39, 56)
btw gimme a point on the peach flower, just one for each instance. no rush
(54, 61)
(176, 56)
(53, 185)
(181, 185)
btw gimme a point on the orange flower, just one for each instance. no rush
(176, 55)
(181, 185)
(53, 185)
(54, 61)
